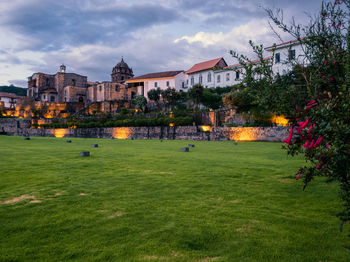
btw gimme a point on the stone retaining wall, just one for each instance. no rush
(276, 134)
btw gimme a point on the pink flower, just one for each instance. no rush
(325, 62)
(311, 144)
(327, 146)
(331, 78)
(318, 142)
(306, 144)
(311, 103)
(289, 139)
(298, 176)
(319, 166)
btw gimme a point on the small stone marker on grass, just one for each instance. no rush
(191, 145)
(185, 149)
(69, 141)
(87, 153)
(94, 145)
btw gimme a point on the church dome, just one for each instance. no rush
(122, 64)
(121, 72)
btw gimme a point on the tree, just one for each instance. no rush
(320, 117)
(210, 99)
(154, 94)
(170, 96)
(196, 94)
(140, 102)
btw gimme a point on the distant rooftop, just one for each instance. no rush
(204, 65)
(158, 75)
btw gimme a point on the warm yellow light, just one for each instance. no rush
(171, 124)
(121, 132)
(280, 120)
(206, 128)
(243, 134)
(59, 132)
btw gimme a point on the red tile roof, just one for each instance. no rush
(158, 75)
(284, 43)
(204, 65)
(251, 62)
(9, 95)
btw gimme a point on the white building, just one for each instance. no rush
(287, 54)
(8, 100)
(162, 80)
(205, 74)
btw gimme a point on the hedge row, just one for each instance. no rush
(162, 121)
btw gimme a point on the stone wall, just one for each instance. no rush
(275, 134)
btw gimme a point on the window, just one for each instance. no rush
(192, 81)
(155, 84)
(44, 96)
(117, 88)
(65, 92)
(209, 77)
(277, 57)
(47, 82)
(52, 99)
(227, 76)
(200, 79)
(73, 82)
(291, 54)
(65, 99)
(183, 85)
(167, 83)
(218, 79)
(100, 88)
(237, 75)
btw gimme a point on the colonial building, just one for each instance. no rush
(51, 88)
(121, 72)
(287, 54)
(110, 91)
(8, 100)
(204, 73)
(162, 80)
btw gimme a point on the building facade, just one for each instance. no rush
(162, 80)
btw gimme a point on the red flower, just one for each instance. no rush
(289, 139)
(298, 176)
(319, 166)
(311, 144)
(331, 78)
(327, 146)
(318, 142)
(306, 144)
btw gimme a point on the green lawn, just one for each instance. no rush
(147, 201)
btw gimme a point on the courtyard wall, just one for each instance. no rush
(22, 127)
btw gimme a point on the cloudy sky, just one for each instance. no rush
(91, 36)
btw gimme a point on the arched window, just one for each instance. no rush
(209, 77)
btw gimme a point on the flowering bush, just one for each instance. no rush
(320, 117)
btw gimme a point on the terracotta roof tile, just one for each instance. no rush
(204, 65)
(284, 43)
(158, 75)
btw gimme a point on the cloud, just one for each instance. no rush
(91, 36)
(57, 24)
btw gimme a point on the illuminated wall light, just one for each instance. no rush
(171, 124)
(280, 120)
(121, 132)
(243, 134)
(206, 128)
(59, 132)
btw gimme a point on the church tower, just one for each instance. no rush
(121, 72)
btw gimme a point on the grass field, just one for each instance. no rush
(147, 201)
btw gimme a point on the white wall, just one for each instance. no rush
(284, 65)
